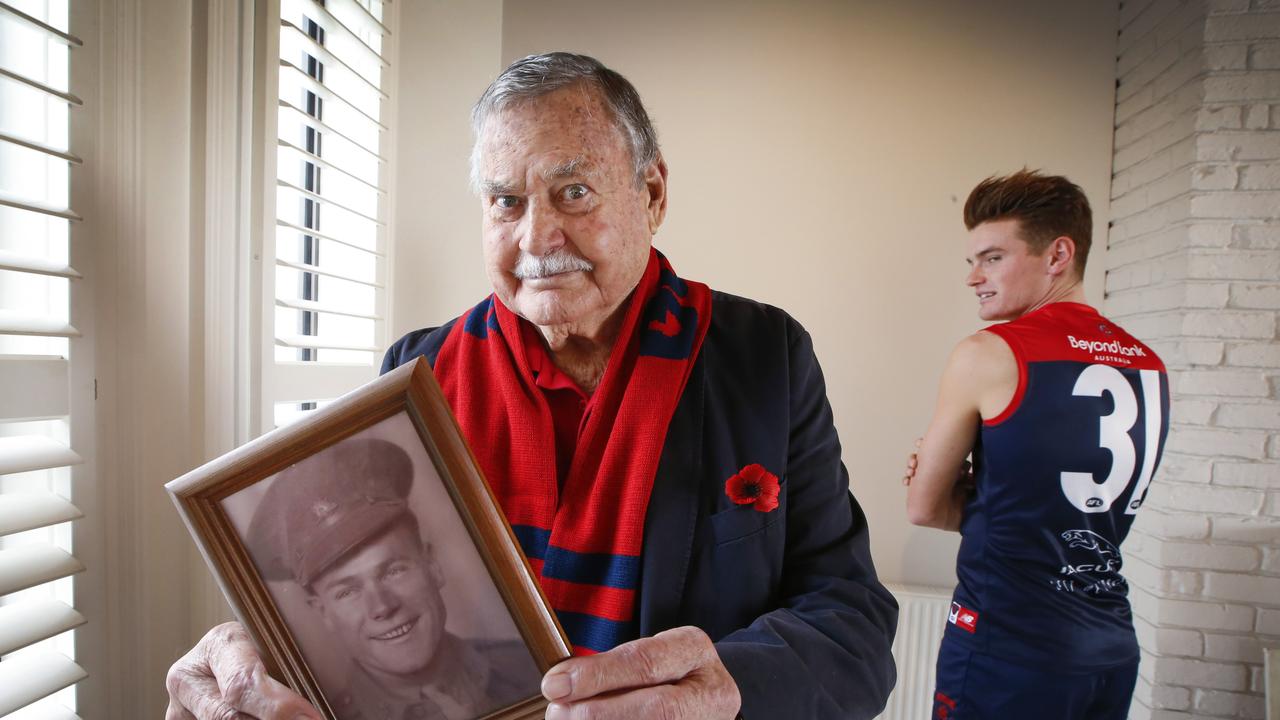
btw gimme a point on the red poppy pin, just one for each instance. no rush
(755, 486)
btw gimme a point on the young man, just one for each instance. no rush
(1065, 416)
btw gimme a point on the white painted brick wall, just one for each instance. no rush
(1193, 261)
(1264, 415)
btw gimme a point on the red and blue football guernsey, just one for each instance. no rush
(1060, 474)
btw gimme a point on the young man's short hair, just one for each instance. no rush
(1045, 206)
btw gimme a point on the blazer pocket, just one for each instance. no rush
(740, 521)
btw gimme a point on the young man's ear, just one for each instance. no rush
(1061, 255)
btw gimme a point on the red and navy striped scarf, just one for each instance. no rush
(584, 542)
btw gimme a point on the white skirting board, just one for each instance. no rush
(922, 615)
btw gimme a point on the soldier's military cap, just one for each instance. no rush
(323, 507)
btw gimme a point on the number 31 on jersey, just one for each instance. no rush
(1084, 490)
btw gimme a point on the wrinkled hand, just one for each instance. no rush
(674, 674)
(223, 678)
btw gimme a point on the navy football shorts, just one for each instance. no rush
(973, 686)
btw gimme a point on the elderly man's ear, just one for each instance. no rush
(655, 182)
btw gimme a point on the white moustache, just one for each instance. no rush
(533, 267)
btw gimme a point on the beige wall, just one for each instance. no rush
(456, 50)
(819, 154)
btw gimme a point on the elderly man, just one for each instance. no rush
(339, 525)
(665, 453)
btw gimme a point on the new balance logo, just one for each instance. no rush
(963, 618)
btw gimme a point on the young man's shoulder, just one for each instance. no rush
(981, 375)
(982, 355)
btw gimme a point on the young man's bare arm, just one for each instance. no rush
(978, 382)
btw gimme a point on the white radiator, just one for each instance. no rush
(922, 614)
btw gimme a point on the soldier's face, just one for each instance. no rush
(383, 602)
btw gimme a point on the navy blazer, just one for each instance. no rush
(790, 597)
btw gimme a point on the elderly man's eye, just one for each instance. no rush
(576, 191)
(506, 202)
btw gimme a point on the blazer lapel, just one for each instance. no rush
(672, 513)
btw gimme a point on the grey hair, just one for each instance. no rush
(537, 75)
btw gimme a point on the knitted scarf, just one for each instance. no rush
(584, 542)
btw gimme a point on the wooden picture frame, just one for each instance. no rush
(275, 520)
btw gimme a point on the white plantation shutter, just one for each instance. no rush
(37, 560)
(328, 238)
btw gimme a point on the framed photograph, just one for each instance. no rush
(364, 553)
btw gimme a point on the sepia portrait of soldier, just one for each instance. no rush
(339, 525)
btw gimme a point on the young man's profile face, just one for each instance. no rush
(1008, 278)
(383, 601)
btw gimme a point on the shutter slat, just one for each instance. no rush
(27, 623)
(47, 89)
(19, 513)
(319, 342)
(311, 306)
(43, 209)
(321, 126)
(329, 201)
(24, 567)
(33, 387)
(328, 93)
(13, 323)
(39, 266)
(309, 381)
(313, 158)
(326, 272)
(24, 453)
(41, 147)
(329, 18)
(42, 25)
(330, 238)
(321, 50)
(47, 711)
(27, 678)
(381, 29)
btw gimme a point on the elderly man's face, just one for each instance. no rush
(383, 602)
(567, 228)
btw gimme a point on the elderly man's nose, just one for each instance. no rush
(541, 231)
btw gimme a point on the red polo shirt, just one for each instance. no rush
(569, 404)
